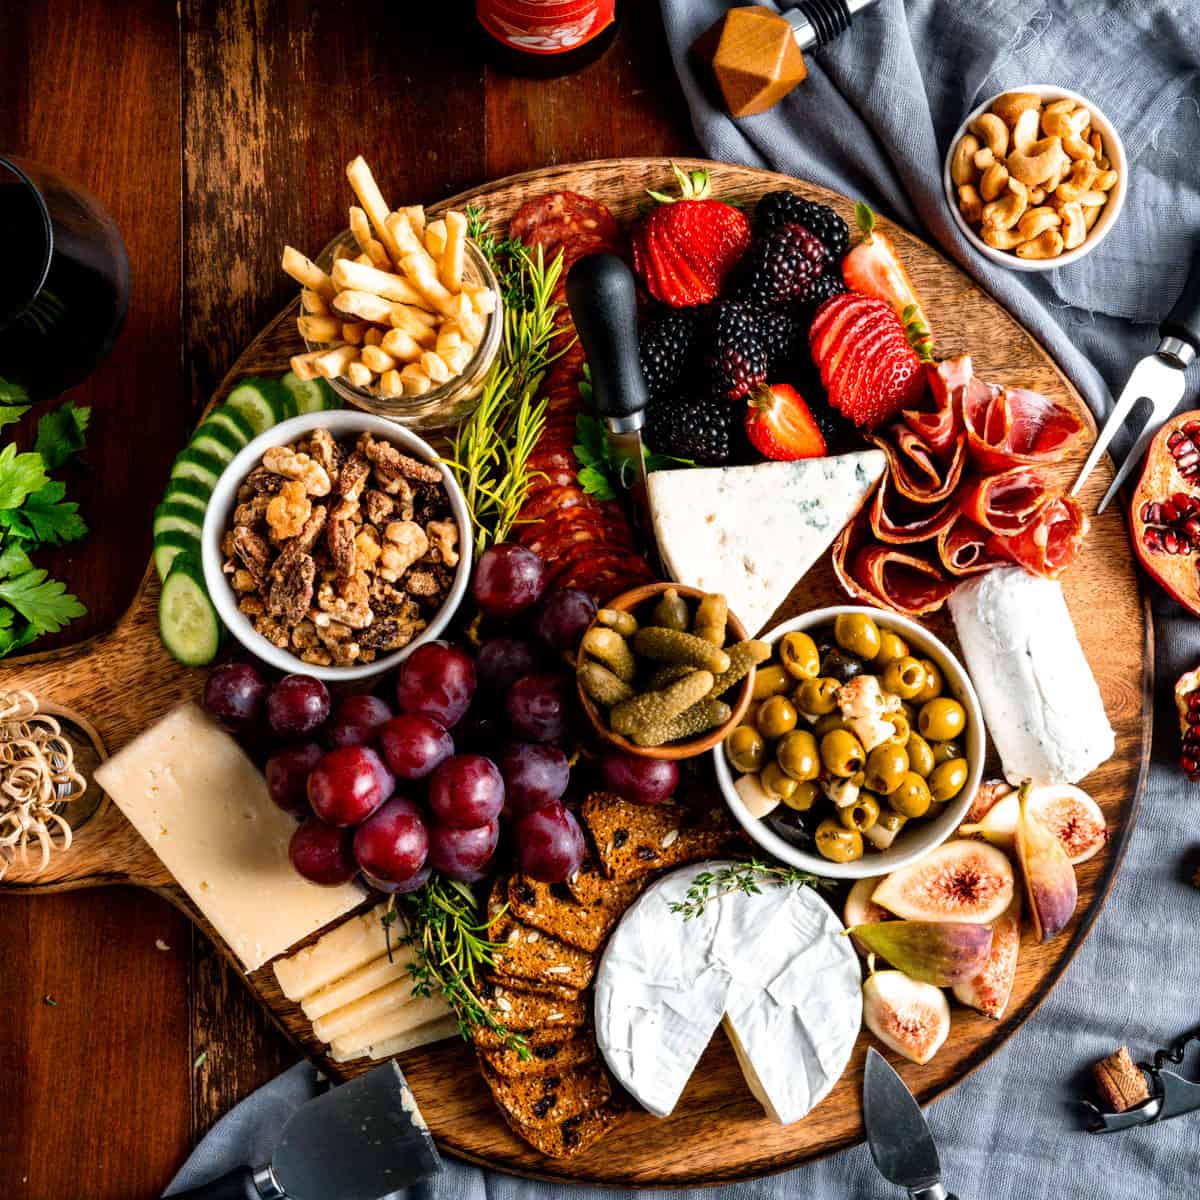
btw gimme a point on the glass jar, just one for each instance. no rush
(448, 403)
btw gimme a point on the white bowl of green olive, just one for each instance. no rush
(862, 746)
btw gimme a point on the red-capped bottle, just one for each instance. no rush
(544, 38)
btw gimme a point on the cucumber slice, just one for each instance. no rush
(191, 492)
(206, 443)
(168, 545)
(197, 465)
(187, 619)
(182, 517)
(311, 395)
(238, 426)
(263, 402)
(220, 434)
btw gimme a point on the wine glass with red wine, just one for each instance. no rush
(65, 290)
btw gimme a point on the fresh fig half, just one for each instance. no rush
(998, 825)
(907, 1016)
(961, 880)
(1050, 884)
(1164, 516)
(988, 992)
(990, 793)
(1072, 816)
(860, 909)
(937, 952)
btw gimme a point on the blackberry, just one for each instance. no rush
(735, 352)
(823, 288)
(703, 430)
(788, 208)
(664, 347)
(781, 334)
(780, 265)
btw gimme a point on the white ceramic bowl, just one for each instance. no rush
(917, 838)
(341, 425)
(1113, 147)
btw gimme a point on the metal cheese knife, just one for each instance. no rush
(900, 1141)
(365, 1140)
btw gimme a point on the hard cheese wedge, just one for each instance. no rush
(357, 984)
(752, 532)
(203, 806)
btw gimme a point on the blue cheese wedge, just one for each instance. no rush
(752, 532)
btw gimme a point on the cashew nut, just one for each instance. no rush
(1037, 195)
(1002, 239)
(1074, 230)
(1105, 181)
(1068, 127)
(1097, 144)
(1065, 105)
(1083, 175)
(1091, 213)
(1047, 245)
(1006, 212)
(961, 168)
(969, 203)
(1025, 131)
(1011, 105)
(993, 131)
(1038, 164)
(1036, 221)
(994, 181)
(983, 159)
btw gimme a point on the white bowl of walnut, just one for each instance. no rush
(336, 543)
(1035, 177)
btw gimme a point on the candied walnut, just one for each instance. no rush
(355, 473)
(228, 547)
(443, 537)
(380, 507)
(276, 632)
(252, 551)
(283, 460)
(305, 541)
(292, 579)
(243, 581)
(340, 641)
(252, 511)
(351, 609)
(339, 537)
(288, 511)
(260, 481)
(324, 450)
(304, 635)
(252, 606)
(423, 582)
(405, 543)
(391, 466)
(391, 633)
(430, 504)
(316, 656)
(366, 547)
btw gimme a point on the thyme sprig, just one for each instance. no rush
(451, 954)
(740, 877)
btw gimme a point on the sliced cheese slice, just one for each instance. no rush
(423, 1035)
(359, 983)
(189, 790)
(753, 532)
(367, 1008)
(353, 944)
(390, 1023)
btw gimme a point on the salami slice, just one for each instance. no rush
(963, 548)
(538, 507)
(558, 218)
(1050, 544)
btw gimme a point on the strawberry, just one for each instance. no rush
(867, 366)
(780, 425)
(684, 247)
(873, 268)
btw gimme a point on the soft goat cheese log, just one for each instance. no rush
(752, 532)
(189, 790)
(1039, 698)
(776, 969)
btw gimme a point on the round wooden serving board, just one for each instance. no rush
(124, 680)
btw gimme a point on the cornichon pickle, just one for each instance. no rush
(657, 708)
(666, 675)
(675, 646)
(602, 685)
(612, 650)
(742, 659)
(671, 611)
(696, 720)
(712, 615)
(625, 623)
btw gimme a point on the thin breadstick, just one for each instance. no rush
(333, 363)
(435, 367)
(304, 366)
(404, 315)
(454, 255)
(378, 359)
(371, 198)
(306, 273)
(416, 382)
(319, 329)
(359, 375)
(354, 332)
(468, 321)
(448, 340)
(417, 330)
(401, 346)
(483, 299)
(373, 336)
(313, 303)
(435, 237)
(409, 243)
(416, 218)
(457, 357)
(419, 269)
(390, 384)
(360, 227)
(363, 305)
(363, 260)
(357, 277)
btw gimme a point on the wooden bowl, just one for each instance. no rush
(673, 751)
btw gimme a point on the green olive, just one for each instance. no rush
(933, 682)
(860, 815)
(947, 780)
(828, 723)
(842, 753)
(857, 633)
(941, 719)
(891, 647)
(902, 729)
(945, 751)
(911, 798)
(904, 677)
(920, 755)
(776, 717)
(771, 680)
(775, 783)
(837, 843)
(886, 766)
(804, 797)
(798, 756)
(745, 749)
(798, 653)
(817, 696)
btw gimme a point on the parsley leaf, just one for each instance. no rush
(12, 393)
(10, 414)
(595, 482)
(43, 602)
(20, 475)
(13, 637)
(45, 517)
(60, 434)
(13, 560)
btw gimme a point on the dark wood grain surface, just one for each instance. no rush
(214, 132)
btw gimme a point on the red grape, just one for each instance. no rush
(235, 693)
(287, 772)
(322, 854)
(643, 780)
(436, 681)
(357, 721)
(391, 844)
(501, 661)
(534, 775)
(466, 791)
(550, 844)
(539, 707)
(413, 883)
(413, 746)
(463, 853)
(348, 785)
(298, 705)
(564, 617)
(508, 580)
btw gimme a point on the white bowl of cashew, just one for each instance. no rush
(1052, 220)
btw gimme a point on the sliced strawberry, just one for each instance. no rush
(824, 341)
(866, 327)
(780, 425)
(856, 374)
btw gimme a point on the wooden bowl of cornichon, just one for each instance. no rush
(666, 671)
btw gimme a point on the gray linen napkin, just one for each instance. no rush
(872, 121)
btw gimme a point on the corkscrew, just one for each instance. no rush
(1164, 1094)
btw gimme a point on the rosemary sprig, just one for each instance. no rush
(452, 952)
(740, 877)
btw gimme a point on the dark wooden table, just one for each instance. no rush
(214, 132)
